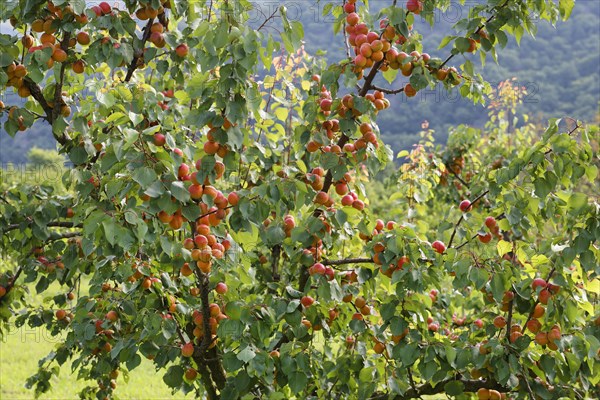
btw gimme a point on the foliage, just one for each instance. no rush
(265, 273)
(533, 61)
(25, 346)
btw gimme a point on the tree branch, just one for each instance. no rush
(14, 279)
(456, 175)
(329, 177)
(58, 99)
(55, 224)
(346, 44)
(216, 375)
(140, 52)
(536, 302)
(209, 11)
(509, 319)
(213, 360)
(36, 93)
(275, 254)
(466, 242)
(207, 381)
(387, 91)
(369, 79)
(347, 261)
(268, 19)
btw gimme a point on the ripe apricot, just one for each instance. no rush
(27, 41)
(59, 55)
(83, 38)
(78, 67)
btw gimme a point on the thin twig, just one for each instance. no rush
(451, 56)
(456, 175)
(268, 19)
(346, 44)
(347, 261)
(387, 91)
(501, 216)
(462, 216)
(56, 224)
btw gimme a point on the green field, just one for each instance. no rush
(21, 349)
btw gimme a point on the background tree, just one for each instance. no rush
(222, 225)
(40, 157)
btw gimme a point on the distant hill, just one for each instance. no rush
(560, 68)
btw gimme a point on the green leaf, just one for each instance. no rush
(297, 381)
(454, 388)
(409, 354)
(174, 376)
(144, 176)
(390, 75)
(110, 230)
(503, 247)
(502, 38)
(133, 361)
(246, 355)
(450, 354)
(565, 7)
(106, 99)
(366, 374)
(445, 41)
(180, 192)
(78, 155)
(462, 44)
(576, 203)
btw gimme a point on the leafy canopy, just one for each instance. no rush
(217, 207)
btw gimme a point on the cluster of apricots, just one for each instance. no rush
(16, 78)
(347, 107)
(211, 146)
(20, 120)
(43, 31)
(494, 229)
(490, 394)
(217, 314)
(363, 309)
(147, 12)
(360, 304)
(332, 128)
(325, 101)
(547, 290)
(204, 246)
(42, 35)
(16, 74)
(533, 323)
(371, 47)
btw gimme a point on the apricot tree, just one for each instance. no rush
(216, 219)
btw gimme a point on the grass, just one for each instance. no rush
(21, 349)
